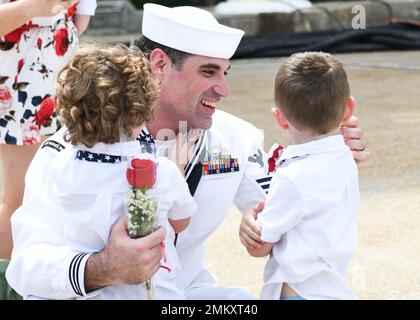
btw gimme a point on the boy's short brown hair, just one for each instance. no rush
(103, 90)
(312, 89)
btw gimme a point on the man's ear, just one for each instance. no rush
(349, 109)
(158, 62)
(280, 118)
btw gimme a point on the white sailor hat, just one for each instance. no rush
(191, 30)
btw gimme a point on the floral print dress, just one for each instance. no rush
(30, 57)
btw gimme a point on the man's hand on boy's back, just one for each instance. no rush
(353, 137)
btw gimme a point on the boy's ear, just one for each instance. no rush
(279, 116)
(349, 109)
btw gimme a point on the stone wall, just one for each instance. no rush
(325, 16)
(114, 21)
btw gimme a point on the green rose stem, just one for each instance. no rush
(141, 213)
(140, 207)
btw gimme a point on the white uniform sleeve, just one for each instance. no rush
(86, 7)
(255, 182)
(284, 209)
(43, 264)
(44, 269)
(183, 204)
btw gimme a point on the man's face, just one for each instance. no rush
(191, 93)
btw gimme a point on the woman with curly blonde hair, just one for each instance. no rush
(105, 96)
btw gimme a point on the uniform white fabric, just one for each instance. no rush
(310, 216)
(214, 197)
(191, 30)
(68, 211)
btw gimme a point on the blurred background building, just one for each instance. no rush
(281, 27)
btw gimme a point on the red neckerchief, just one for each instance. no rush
(273, 159)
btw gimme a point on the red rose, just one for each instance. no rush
(5, 100)
(141, 174)
(61, 41)
(45, 111)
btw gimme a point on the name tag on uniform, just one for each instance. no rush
(217, 161)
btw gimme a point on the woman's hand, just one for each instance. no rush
(15, 14)
(47, 8)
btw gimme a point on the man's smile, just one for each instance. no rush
(208, 106)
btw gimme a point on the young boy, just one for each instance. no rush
(105, 96)
(308, 224)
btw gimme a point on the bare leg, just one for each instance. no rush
(15, 161)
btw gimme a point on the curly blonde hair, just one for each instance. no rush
(104, 90)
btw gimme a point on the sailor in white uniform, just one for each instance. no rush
(68, 212)
(231, 163)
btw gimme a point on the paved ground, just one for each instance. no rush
(387, 262)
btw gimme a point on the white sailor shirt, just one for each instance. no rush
(72, 199)
(311, 217)
(215, 194)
